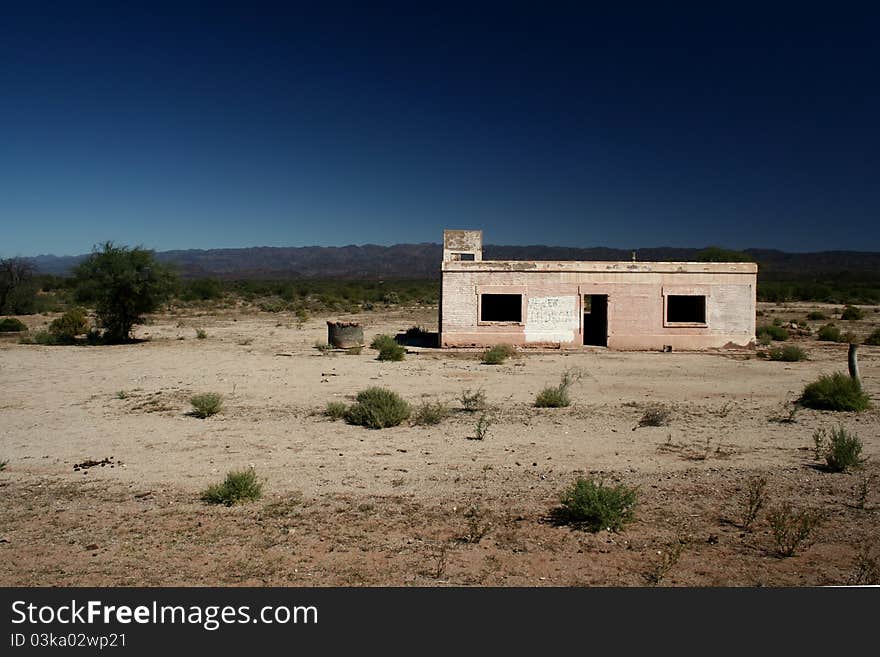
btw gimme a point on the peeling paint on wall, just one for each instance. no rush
(552, 319)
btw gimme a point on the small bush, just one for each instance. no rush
(322, 347)
(835, 392)
(43, 338)
(3, 465)
(655, 416)
(472, 401)
(429, 413)
(239, 486)
(11, 325)
(272, 306)
(381, 340)
(774, 331)
(206, 404)
(590, 504)
(791, 529)
(668, 558)
(829, 333)
(874, 338)
(335, 410)
(354, 351)
(851, 313)
(553, 397)
(557, 397)
(378, 408)
(71, 324)
(790, 353)
(481, 428)
(201, 334)
(816, 316)
(841, 449)
(764, 340)
(497, 354)
(756, 497)
(392, 351)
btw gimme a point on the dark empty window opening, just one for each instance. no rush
(686, 309)
(501, 308)
(464, 256)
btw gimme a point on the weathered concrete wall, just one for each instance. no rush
(459, 242)
(553, 310)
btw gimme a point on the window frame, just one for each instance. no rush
(508, 322)
(685, 293)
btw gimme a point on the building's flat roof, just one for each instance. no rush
(604, 266)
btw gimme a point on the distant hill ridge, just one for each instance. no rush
(423, 260)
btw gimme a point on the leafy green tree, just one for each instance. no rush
(124, 284)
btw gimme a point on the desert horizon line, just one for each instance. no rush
(433, 244)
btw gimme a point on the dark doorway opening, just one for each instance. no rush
(596, 320)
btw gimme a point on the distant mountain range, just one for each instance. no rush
(415, 261)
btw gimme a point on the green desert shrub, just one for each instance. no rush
(841, 449)
(206, 404)
(829, 333)
(392, 351)
(381, 340)
(11, 325)
(774, 332)
(497, 354)
(44, 338)
(835, 392)
(851, 313)
(593, 505)
(429, 413)
(481, 428)
(71, 324)
(557, 396)
(201, 334)
(272, 305)
(378, 408)
(874, 338)
(239, 486)
(790, 353)
(335, 410)
(816, 316)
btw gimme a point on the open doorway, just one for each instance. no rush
(596, 320)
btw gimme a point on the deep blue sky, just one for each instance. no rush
(573, 125)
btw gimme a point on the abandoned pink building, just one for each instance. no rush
(568, 304)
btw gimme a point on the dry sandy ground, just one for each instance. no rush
(413, 505)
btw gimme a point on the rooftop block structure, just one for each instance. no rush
(575, 304)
